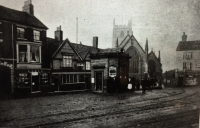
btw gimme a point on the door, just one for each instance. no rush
(5, 82)
(99, 81)
(35, 83)
(180, 81)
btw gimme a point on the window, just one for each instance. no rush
(36, 35)
(23, 53)
(35, 54)
(28, 53)
(88, 65)
(187, 66)
(67, 61)
(20, 33)
(122, 34)
(81, 78)
(187, 55)
(69, 78)
(22, 77)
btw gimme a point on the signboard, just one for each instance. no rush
(92, 80)
(79, 64)
(198, 65)
(112, 71)
(34, 73)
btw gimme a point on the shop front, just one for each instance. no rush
(32, 80)
(70, 81)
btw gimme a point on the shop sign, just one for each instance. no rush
(198, 65)
(92, 80)
(79, 64)
(34, 73)
(112, 71)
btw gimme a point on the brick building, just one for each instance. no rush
(188, 62)
(21, 39)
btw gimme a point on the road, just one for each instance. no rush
(167, 108)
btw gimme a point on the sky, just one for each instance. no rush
(161, 21)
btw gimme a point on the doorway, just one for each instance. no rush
(35, 83)
(99, 81)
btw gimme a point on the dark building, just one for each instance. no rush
(21, 38)
(110, 70)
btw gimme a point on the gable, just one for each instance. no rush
(152, 56)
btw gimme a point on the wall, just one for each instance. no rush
(195, 60)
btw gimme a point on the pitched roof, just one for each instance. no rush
(188, 45)
(128, 37)
(153, 54)
(80, 50)
(20, 17)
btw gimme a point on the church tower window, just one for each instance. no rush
(122, 34)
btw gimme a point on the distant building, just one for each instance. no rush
(188, 62)
(141, 60)
(21, 38)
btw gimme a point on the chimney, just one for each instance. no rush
(159, 56)
(59, 34)
(95, 42)
(28, 7)
(184, 37)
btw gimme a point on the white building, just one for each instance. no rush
(188, 62)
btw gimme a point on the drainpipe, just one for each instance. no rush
(12, 89)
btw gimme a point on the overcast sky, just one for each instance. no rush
(161, 21)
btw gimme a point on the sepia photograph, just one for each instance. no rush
(99, 63)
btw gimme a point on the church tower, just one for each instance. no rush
(120, 32)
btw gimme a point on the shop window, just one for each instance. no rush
(36, 35)
(23, 53)
(88, 65)
(35, 54)
(20, 33)
(23, 78)
(44, 78)
(67, 61)
(81, 78)
(69, 78)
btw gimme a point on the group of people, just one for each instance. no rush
(113, 84)
(146, 82)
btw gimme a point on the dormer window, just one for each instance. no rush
(20, 33)
(36, 35)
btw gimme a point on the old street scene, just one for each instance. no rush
(96, 64)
